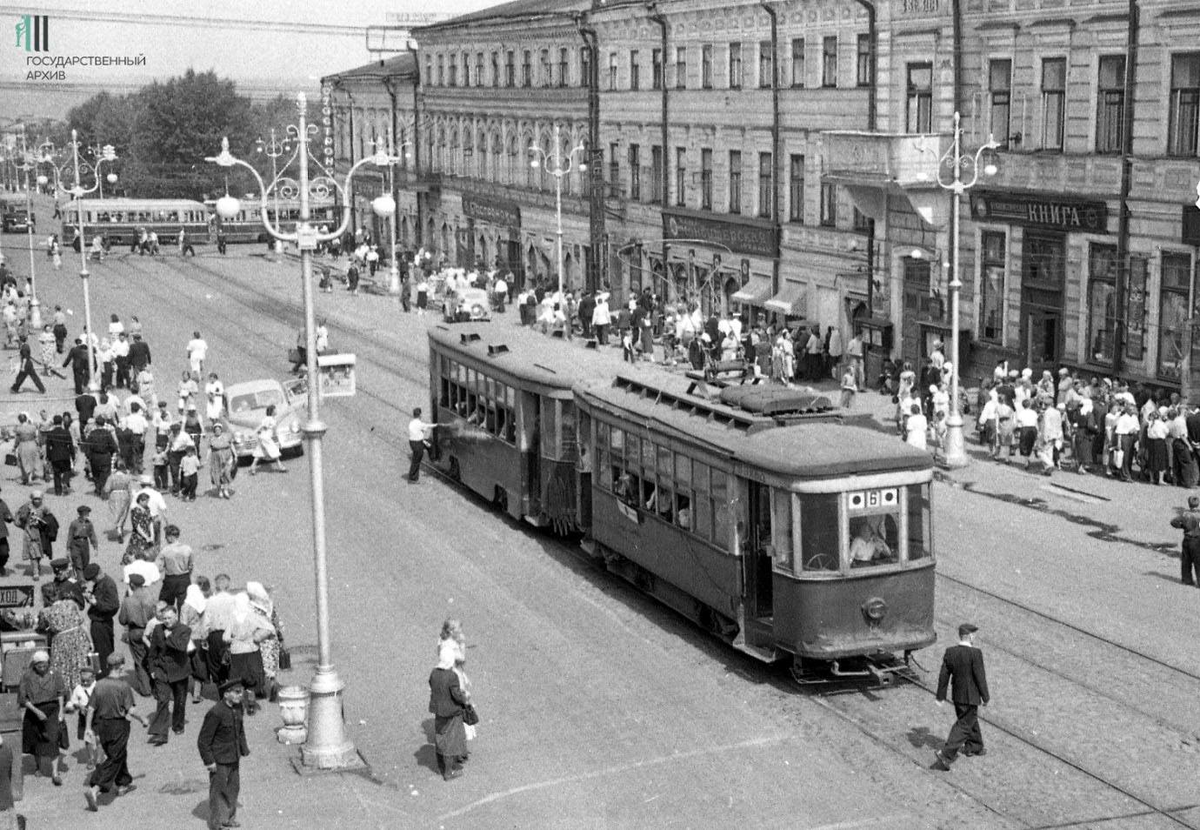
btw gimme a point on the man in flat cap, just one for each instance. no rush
(137, 609)
(963, 664)
(222, 745)
(104, 604)
(81, 540)
(64, 585)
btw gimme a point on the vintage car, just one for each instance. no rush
(466, 304)
(248, 402)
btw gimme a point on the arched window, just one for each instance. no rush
(481, 152)
(514, 160)
(452, 157)
(439, 157)
(496, 154)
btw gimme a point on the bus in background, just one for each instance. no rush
(247, 225)
(121, 221)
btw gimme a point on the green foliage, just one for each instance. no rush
(164, 131)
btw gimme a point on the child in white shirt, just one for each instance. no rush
(80, 698)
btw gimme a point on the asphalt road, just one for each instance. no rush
(601, 709)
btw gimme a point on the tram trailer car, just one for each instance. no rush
(121, 220)
(761, 517)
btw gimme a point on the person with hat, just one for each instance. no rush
(40, 697)
(139, 353)
(101, 447)
(222, 745)
(81, 540)
(137, 609)
(963, 671)
(1189, 559)
(103, 604)
(63, 586)
(109, 711)
(60, 453)
(41, 529)
(79, 359)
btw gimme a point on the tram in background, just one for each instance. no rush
(121, 221)
(247, 225)
(759, 516)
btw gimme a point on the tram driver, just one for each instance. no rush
(870, 542)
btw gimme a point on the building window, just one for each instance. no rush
(612, 71)
(680, 176)
(545, 69)
(706, 173)
(656, 69)
(563, 72)
(441, 70)
(798, 62)
(766, 65)
(993, 263)
(1185, 105)
(735, 181)
(1173, 314)
(865, 62)
(829, 62)
(1000, 96)
(495, 69)
(681, 67)
(510, 70)
(614, 169)
(1054, 101)
(429, 70)
(706, 63)
(466, 69)
(920, 98)
(1102, 303)
(656, 173)
(796, 190)
(452, 62)
(828, 205)
(1110, 104)
(527, 68)
(766, 192)
(635, 71)
(635, 172)
(479, 69)
(735, 66)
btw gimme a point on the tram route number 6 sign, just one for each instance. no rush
(873, 499)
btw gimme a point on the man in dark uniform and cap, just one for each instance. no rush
(963, 664)
(105, 602)
(64, 585)
(81, 541)
(1189, 558)
(101, 447)
(222, 745)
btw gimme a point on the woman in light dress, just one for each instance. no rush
(268, 443)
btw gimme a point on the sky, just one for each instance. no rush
(283, 44)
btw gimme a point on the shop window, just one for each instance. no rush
(991, 287)
(1102, 307)
(1173, 314)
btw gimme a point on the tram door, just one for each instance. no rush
(530, 447)
(757, 558)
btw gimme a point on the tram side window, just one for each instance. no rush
(781, 521)
(683, 491)
(603, 456)
(722, 511)
(568, 432)
(920, 526)
(820, 543)
(549, 428)
(702, 516)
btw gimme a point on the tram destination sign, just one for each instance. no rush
(1036, 211)
(745, 236)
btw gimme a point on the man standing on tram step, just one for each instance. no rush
(1189, 522)
(963, 665)
(419, 433)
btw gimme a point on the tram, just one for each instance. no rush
(247, 225)
(121, 221)
(759, 516)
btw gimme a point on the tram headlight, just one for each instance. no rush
(874, 610)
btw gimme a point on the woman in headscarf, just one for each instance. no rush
(118, 488)
(191, 614)
(141, 538)
(447, 699)
(263, 609)
(452, 637)
(40, 697)
(67, 631)
(245, 633)
(29, 455)
(221, 460)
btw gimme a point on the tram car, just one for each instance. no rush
(760, 516)
(121, 221)
(247, 225)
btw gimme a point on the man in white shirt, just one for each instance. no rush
(120, 350)
(1126, 430)
(418, 433)
(197, 351)
(500, 290)
(214, 398)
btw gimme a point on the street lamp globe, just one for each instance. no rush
(535, 164)
(43, 180)
(384, 206)
(228, 206)
(582, 167)
(112, 178)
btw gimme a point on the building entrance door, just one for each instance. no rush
(1041, 338)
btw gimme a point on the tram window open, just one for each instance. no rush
(820, 543)
(683, 511)
(920, 527)
(874, 540)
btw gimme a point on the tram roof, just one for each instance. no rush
(140, 204)
(812, 449)
(526, 354)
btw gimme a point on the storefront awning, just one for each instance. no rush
(792, 301)
(755, 292)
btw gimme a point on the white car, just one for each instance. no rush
(248, 402)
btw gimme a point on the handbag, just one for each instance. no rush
(470, 716)
(285, 659)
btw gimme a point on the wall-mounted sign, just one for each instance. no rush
(495, 211)
(1040, 211)
(740, 235)
(1135, 309)
(337, 375)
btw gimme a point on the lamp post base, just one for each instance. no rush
(394, 279)
(956, 451)
(327, 747)
(35, 314)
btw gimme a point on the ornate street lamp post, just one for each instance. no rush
(384, 207)
(28, 164)
(328, 746)
(108, 153)
(558, 166)
(958, 162)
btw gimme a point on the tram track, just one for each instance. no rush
(1144, 806)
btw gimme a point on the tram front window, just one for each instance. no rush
(819, 532)
(874, 540)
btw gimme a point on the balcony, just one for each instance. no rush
(872, 166)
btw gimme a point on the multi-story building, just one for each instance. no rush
(785, 156)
